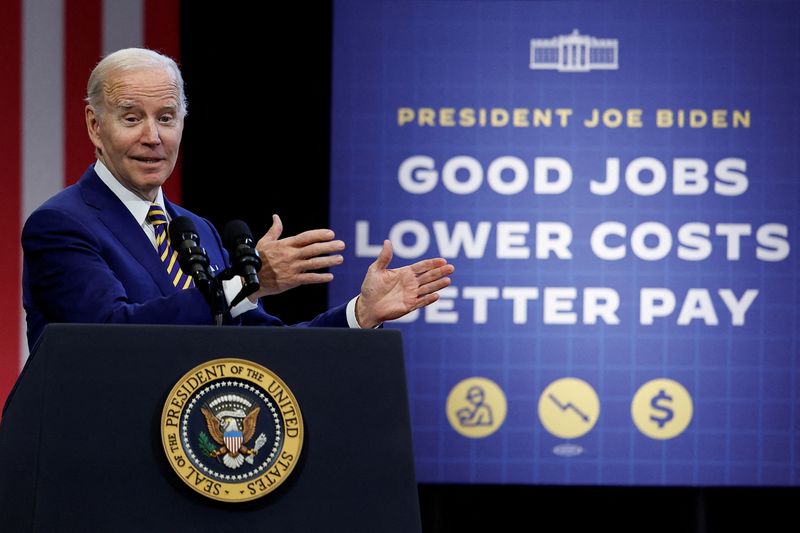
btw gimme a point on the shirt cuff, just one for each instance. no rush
(351, 314)
(232, 288)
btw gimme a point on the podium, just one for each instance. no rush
(81, 447)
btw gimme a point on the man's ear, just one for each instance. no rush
(93, 127)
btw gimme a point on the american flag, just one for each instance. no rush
(49, 47)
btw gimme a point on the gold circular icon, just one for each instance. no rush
(662, 409)
(569, 408)
(476, 407)
(232, 430)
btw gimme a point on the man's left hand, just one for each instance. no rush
(387, 293)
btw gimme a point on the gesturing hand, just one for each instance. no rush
(286, 263)
(387, 294)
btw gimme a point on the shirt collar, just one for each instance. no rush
(137, 206)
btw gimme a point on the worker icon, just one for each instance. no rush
(476, 407)
(477, 413)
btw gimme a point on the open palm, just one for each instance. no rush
(387, 293)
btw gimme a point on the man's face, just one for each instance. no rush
(138, 132)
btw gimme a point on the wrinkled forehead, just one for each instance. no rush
(148, 86)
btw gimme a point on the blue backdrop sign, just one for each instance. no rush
(617, 185)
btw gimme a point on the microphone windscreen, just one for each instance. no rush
(179, 227)
(235, 232)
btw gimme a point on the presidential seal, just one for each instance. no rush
(232, 430)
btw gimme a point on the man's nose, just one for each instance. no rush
(150, 133)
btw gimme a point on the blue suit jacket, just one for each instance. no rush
(87, 260)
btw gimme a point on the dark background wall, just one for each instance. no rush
(257, 142)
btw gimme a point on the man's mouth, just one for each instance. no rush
(148, 159)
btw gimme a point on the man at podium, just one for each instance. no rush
(99, 251)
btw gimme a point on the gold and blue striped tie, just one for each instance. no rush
(158, 218)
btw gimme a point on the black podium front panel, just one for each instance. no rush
(80, 447)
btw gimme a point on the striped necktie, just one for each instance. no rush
(157, 217)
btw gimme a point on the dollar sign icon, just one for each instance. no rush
(652, 408)
(666, 413)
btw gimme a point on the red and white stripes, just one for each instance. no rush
(49, 47)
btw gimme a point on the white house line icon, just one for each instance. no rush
(574, 53)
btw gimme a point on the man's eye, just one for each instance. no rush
(166, 119)
(130, 119)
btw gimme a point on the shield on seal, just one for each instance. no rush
(233, 441)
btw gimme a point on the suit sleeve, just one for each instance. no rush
(333, 318)
(70, 281)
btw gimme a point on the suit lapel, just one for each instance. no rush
(119, 221)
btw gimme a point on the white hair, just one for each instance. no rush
(126, 60)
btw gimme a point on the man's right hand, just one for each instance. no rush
(289, 262)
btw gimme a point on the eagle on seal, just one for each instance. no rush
(225, 432)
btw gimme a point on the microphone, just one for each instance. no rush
(245, 262)
(191, 257)
(193, 260)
